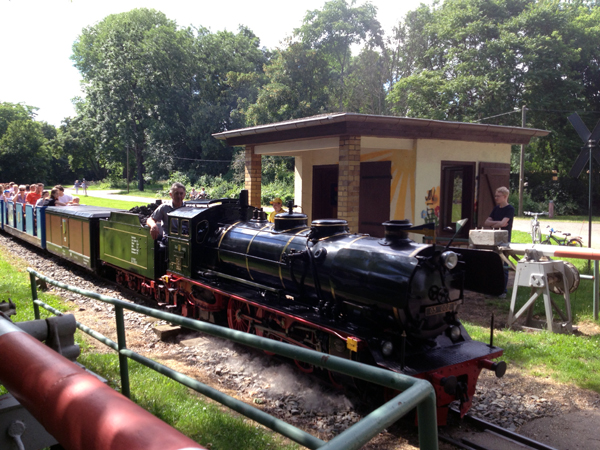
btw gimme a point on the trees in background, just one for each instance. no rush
(25, 155)
(159, 91)
(467, 60)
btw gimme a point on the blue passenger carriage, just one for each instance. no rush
(26, 222)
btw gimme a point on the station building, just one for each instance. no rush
(368, 169)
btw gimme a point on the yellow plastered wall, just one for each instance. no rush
(416, 167)
(431, 153)
(402, 187)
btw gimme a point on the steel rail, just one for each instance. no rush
(499, 431)
(415, 392)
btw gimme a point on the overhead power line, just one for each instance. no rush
(540, 110)
(203, 160)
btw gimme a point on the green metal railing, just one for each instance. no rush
(416, 393)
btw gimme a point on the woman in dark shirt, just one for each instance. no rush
(53, 200)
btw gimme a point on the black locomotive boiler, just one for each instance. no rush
(389, 302)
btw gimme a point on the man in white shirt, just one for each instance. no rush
(63, 198)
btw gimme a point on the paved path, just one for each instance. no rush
(575, 228)
(112, 194)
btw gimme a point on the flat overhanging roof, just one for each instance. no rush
(352, 124)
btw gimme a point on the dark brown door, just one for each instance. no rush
(374, 205)
(457, 196)
(491, 177)
(325, 189)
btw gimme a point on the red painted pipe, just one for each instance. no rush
(80, 411)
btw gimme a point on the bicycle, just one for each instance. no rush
(536, 232)
(570, 242)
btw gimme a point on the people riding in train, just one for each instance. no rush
(20, 196)
(54, 199)
(36, 194)
(63, 197)
(193, 194)
(277, 208)
(202, 194)
(40, 201)
(158, 219)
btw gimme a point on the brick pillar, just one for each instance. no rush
(253, 176)
(349, 180)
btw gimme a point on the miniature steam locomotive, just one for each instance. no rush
(389, 302)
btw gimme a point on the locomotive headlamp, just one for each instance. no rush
(387, 348)
(450, 260)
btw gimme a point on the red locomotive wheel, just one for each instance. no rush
(335, 380)
(304, 367)
(238, 315)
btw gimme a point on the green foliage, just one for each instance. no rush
(334, 29)
(15, 284)
(25, 147)
(161, 91)
(299, 85)
(278, 188)
(465, 60)
(569, 359)
(77, 142)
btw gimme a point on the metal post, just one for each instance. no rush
(522, 163)
(127, 174)
(121, 341)
(596, 289)
(36, 308)
(591, 146)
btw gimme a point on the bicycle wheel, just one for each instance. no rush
(575, 242)
(547, 241)
(536, 235)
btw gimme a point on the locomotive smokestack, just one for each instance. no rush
(396, 232)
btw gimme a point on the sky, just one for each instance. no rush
(37, 37)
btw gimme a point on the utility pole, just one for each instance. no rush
(127, 173)
(522, 163)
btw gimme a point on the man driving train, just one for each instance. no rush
(157, 221)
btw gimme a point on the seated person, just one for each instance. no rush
(277, 205)
(63, 198)
(35, 194)
(53, 200)
(20, 196)
(40, 201)
(158, 219)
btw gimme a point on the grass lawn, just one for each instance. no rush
(204, 421)
(565, 358)
(576, 219)
(111, 203)
(147, 192)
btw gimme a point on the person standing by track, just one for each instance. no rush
(502, 217)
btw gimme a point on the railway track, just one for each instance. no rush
(490, 437)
